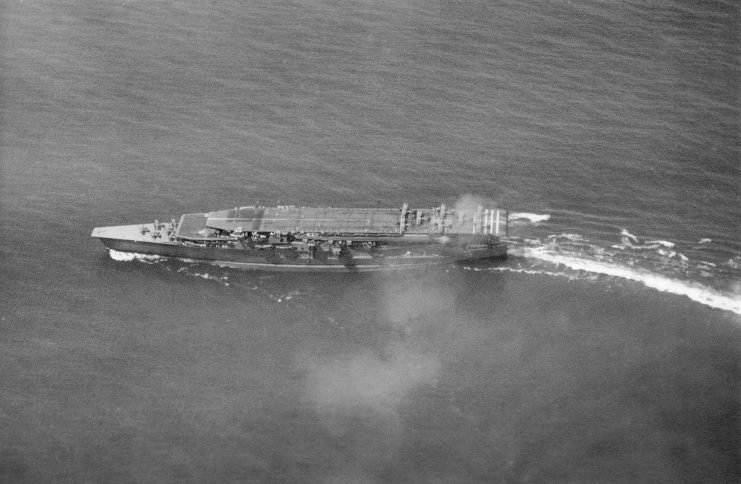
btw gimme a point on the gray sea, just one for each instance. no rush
(607, 348)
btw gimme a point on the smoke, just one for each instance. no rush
(416, 307)
(360, 396)
(470, 202)
(368, 383)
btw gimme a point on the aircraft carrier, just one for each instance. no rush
(296, 238)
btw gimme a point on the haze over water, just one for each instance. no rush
(607, 348)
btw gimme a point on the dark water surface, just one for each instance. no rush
(607, 348)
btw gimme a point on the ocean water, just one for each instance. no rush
(607, 348)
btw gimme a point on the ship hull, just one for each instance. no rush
(289, 238)
(287, 260)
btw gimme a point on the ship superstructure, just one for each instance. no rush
(320, 238)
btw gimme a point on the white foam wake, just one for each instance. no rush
(630, 241)
(129, 256)
(695, 291)
(205, 275)
(532, 217)
(520, 270)
(629, 236)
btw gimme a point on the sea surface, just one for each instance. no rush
(607, 348)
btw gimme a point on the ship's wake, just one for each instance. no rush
(696, 291)
(530, 217)
(658, 264)
(250, 281)
(130, 256)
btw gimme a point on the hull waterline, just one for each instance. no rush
(388, 241)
